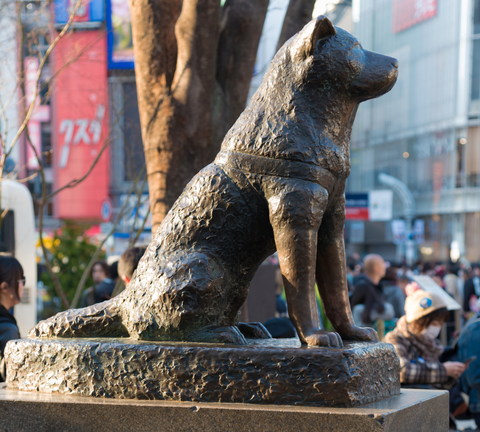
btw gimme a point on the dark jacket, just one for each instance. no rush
(395, 296)
(8, 328)
(468, 291)
(468, 345)
(369, 294)
(8, 331)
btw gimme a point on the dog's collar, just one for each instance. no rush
(276, 167)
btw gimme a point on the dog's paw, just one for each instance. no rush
(361, 334)
(324, 339)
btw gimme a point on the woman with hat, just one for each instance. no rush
(416, 343)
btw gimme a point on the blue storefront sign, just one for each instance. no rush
(119, 35)
(88, 11)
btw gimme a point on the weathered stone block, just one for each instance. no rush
(411, 411)
(266, 371)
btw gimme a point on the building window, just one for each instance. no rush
(475, 90)
(476, 17)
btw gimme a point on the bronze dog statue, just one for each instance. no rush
(277, 184)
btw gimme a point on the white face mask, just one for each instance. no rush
(432, 331)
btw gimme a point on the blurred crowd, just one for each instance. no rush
(412, 316)
(406, 311)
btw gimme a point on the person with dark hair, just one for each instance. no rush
(12, 281)
(100, 271)
(416, 343)
(104, 290)
(367, 301)
(392, 292)
(129, 261)
(471, 290)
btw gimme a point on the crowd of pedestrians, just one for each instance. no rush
(380, 292)
(413, 318)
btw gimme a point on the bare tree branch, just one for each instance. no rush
(40, 69)
(93, 259)
(76, 182)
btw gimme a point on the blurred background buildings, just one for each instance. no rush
(424, 134)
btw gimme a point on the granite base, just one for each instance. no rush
(411, 411)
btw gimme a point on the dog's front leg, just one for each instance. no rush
(295, 214)
(332, 276)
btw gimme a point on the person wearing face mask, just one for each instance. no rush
(12, 281)
(416, 343)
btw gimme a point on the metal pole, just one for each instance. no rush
(408, 212)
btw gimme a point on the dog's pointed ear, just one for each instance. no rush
(306, 41)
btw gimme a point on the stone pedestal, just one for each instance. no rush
(268, 371)
(411, 411)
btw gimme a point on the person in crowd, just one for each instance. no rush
(411, 288)
(280, 327)
(128, 263)
(392, 292)
(437, 275)
(100, 271)
(416, 343)
(402, 282)
(452, 283)
(427, 269)
(104, 290)
(12, 281)
(468, 350)
(367, 301)
(471, 291)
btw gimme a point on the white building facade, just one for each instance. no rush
(425, 132)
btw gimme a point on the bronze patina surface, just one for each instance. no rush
(265, 371)
(277, 184)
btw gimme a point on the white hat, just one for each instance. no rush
(421, 303)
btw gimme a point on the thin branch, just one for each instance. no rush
(76, 182)
(81, 284)
(140, 230)
(40, 69)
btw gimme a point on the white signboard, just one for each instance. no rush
(380, 204)
(398, 231)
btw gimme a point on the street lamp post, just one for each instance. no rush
(408, 212)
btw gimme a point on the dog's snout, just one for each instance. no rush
(395, 63)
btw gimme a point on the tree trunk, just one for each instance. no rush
(298, 14)
(194, 61)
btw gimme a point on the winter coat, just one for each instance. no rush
(472, 287)
(468, 345)
(395, 296)
(451, 286)
(419, 356)
(8, 331)
(368, 294)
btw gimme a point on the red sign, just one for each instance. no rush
(356, 213)
(407, 13)
(81, 124)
